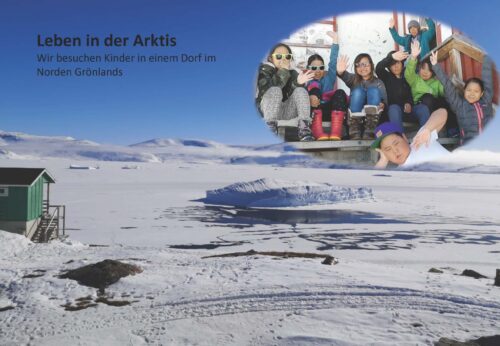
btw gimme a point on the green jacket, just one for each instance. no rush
(418, 86)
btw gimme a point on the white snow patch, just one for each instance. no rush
(13, 244)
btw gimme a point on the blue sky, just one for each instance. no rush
(207, 101)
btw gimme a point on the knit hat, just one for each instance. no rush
(384, 130)
(414, 23)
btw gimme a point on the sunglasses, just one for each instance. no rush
(362, 64)
(280, 56)
(314, 68)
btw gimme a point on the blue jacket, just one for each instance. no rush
(328, 81)
(424, 37)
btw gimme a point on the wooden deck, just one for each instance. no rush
(344, 151)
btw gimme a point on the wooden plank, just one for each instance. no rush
(308, 45)
(334, 145)
(354, 145)
(455, 64)
(396, 27)
(439, 35)
(460, 43)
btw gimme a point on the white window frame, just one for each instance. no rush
(5, 192)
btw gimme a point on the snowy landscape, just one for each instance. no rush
(165, 205)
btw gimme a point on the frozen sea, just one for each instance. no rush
(153, 215)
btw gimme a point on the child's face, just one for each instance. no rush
(473, 92)
(414, 31)
(396, 68)
(395, 148)
(318, 74)
(425, 72)
(364, 69)
(282, 62)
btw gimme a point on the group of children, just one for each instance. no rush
(401, 84)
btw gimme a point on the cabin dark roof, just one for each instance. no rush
(22, 176)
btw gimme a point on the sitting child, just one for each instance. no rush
(427, 91)
(474, 109)
(390, 71)
(366, 90)
(281, 94)
(326, 104)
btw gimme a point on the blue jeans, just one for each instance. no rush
(361, 97)
(420, 111)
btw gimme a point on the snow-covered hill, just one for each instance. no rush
(20, 146)
(15, 145)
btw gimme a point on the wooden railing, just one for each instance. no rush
(51, 222)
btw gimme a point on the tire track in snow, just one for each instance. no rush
(143, 319)
(332, 297)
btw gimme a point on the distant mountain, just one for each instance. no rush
(20, 146)
(15, 145)
(167, 142)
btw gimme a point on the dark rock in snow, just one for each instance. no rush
(434, 270)
(102, 274)
(6, 308)
(493, 340)
(497, 278)
(473, 274)
(329, 260)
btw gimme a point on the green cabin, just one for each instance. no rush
(24, 203)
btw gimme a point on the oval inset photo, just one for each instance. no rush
(380, 89)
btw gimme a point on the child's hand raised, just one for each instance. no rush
(391, 23)
(400, 55)
(415, 49)
(342, 64)
(334, 35)
(434, 58)
(305, 77)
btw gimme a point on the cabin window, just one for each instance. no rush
(4, 191)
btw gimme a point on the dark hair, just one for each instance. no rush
(315, 57)
(475, 80)
(429, 65)
(357, 60)
(276, 46)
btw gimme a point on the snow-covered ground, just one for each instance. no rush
(381, 291)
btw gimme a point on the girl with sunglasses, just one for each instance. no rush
(368, 95)
(281, 93)
(326, 104)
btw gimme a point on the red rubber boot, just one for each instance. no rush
(317, 126)
(336, 129)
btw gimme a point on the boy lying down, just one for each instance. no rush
(392, 144)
